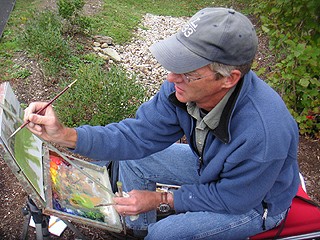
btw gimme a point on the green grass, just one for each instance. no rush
(10, 41)
(100, 96)
(117, 19)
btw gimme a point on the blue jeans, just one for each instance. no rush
(176, 165)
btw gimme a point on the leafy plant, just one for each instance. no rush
(294, 30)
(99, 97)
(20, 72)
(43, 38)
(70, 8)
(71, 11)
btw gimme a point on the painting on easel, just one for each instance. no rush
(25, 148)
(65, 186)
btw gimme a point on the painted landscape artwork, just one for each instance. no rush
(24, 147)
(69, 188)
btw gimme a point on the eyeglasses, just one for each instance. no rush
(187, 78)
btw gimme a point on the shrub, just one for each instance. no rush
(43, 39)
(99, 97)
(71, 11)
(70, 8)
(294, 30)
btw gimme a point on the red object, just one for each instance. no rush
(57, 160)
(310, 117)
(303, 218)
(53, 165)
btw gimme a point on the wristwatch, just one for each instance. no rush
(164, 206)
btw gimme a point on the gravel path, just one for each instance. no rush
(136, 56)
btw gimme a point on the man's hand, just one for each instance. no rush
(139, 201)
(48, 126)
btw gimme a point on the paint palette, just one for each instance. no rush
(61, 185)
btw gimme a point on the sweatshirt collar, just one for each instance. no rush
(222, 130)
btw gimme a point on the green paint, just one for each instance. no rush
(29, 158)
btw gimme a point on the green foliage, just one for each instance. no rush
(294, 30)
(10, 42)
(292, 25)
(5, 68)
(82, 24)
(43, 38)
(93, 58)
(69, 8)
(20, 72)
(71, 11)
(99, 97)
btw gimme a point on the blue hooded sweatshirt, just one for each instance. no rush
(249, 158)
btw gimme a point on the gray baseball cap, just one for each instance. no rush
(212, 35)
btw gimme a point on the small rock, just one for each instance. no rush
(112, 53)
(96, 49)
(103, 56)
(106, 39)
(104, 45)
(96, 44)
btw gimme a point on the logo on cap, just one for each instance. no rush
(190, 27)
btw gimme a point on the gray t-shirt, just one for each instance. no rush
(207, 120)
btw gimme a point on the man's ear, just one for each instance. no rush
(233, 79)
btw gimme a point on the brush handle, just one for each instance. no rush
(43, 108)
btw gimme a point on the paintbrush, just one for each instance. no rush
(53, 223)
(105, 204)
(122, 217)
(42, 109)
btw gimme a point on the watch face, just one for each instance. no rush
(164, 208)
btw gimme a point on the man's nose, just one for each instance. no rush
(174, 77)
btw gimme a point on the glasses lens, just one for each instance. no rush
(188, 78)
(185, 77)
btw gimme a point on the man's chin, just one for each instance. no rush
(181, 98)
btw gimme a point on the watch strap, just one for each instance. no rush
(164, 197)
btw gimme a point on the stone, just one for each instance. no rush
(112, 54)
(103, 56)
(96, 44)
(106, 39)
(96, 49)
(104, 45)
(135, 56)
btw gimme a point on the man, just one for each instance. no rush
(238, 173)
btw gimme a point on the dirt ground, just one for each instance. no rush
(13, 197)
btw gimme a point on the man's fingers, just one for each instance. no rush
(36, 119)
(124, 210)
(32, 109)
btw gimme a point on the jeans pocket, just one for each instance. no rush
(275, 221)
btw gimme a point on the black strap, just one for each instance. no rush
(308, 201)
(282, 225)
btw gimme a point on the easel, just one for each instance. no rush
(39, 188)
(41, 222)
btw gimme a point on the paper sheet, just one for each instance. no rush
(56, 225)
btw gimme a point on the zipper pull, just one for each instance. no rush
(265, 214)
(264, 218)
(200, 164)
